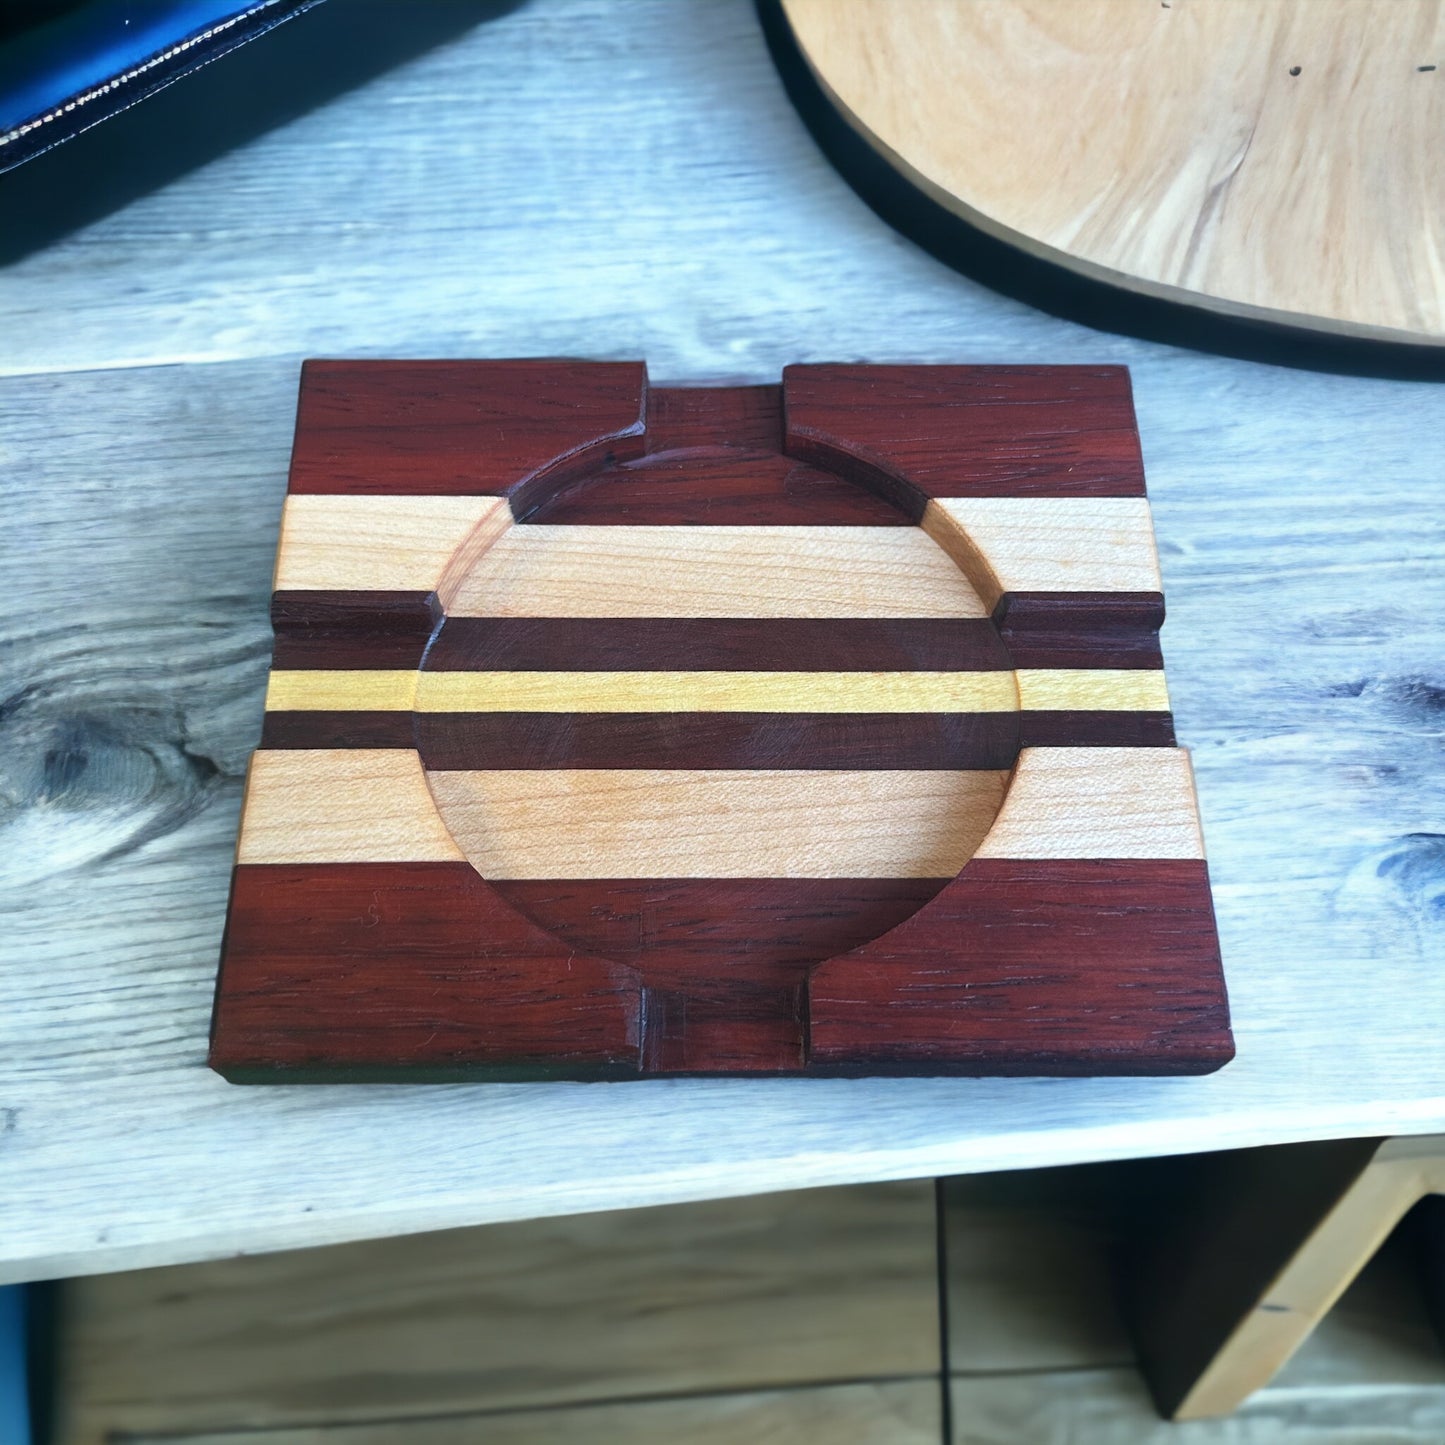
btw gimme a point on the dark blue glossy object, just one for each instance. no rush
(94, 60)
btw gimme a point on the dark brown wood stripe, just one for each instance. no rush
(1081, 629)
(1130, 651)
(719, 740)
(1080, 613)
(364, 970)
(351, 630)
(288, 731)
(1057, 966)
(716, 644)
(450, 741)
(1079, 728)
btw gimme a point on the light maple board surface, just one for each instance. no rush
(146, 444)
(1271, 161)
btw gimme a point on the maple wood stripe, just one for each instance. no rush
(689, 823)
(1032, 544)
(358, 805)
(722, 644)
(393, 543)
(688, 740)
(1098, 802)
(375, 805)
(729, 571)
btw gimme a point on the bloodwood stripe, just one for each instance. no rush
(461, 428)
(1060, 967)
(1056, 965)
(363, 969)
(724, 486)
(765, 932)
(708, 416)
(694, 740)
(723, 644)
(956, 431)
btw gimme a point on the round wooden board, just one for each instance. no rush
(1273, 163)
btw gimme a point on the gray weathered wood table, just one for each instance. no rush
(628, 180)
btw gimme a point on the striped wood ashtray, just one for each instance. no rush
(616, 730)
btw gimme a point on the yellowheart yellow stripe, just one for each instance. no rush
(1092, 689)
(801, 692)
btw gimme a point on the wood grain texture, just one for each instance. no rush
(391, 543)
(849, 741)
(1095, 728)
(1174, 169)
(1096, 689)
(408, 969)
(788, 1290)
(1098, 967)
(1221, 1297)
(699, 692)
(722, 644)
(661, 770)
(705, 823)
(1304, 640)
(680, 690)
(1112, 1407)
(371, 628)
(724, 571)
(732, 486)
(438, 428)
(1068, 544)
(895, 1412)
(1098, 802)
(341, 806)
(1021, 430)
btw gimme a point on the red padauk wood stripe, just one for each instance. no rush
(1056, 966)
(365, 968)
(968, 431)
(1116, 962)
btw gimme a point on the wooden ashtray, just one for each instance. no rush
(814, 728)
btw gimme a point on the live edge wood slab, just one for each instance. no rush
(618, 730)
